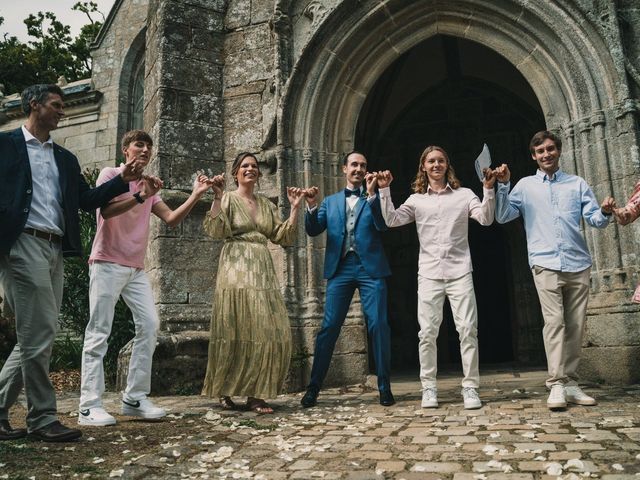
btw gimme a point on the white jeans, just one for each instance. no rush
(431, 295)
(107, 282)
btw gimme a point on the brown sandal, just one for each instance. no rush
(227, 404)
(258, 405)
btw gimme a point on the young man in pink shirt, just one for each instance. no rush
(117, 268)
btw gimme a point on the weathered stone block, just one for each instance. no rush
(207, 16)
(612, 365)
(179, 363)
(243, 124)
(189, 107)
(191, 76)
(238, 14)
(189, 140)
(607, 330)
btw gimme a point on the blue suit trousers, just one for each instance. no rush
(373, 295)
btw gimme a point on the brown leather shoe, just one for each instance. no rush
(8, 433)
(55, 432)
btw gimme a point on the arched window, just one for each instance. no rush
(136, 105)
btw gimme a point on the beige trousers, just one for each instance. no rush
(563, 298)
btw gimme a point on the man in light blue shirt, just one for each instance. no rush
(552, 203)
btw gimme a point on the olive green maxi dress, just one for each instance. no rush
(250, 342)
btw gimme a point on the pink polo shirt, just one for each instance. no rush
(123, 239)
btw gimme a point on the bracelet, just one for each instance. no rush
(138, 198)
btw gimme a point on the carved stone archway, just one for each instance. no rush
(585, 97)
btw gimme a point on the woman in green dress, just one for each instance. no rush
(250, 342)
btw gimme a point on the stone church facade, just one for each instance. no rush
(300, 82)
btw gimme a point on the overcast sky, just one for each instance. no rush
(15, 11)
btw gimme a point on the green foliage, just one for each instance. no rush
(66, 354)
(50, 52)
(74, 314)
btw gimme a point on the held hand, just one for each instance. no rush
(608, 205)
(132, 171)
(502, 173)
(384, 179)
(622, 215)
(149, 186)
(295, 196)
(200, 185)
(371, 181)
(311, 195)
(489, 178)
(217, 184)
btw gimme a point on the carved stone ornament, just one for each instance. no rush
(315, 12)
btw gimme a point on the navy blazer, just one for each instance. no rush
(331, 216)
(16, 191)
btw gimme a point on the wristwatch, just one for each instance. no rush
(138, 198)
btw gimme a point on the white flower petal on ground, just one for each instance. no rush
(489, 449)
(618, 467)
(574, 464)
(97, 460)
(116, 473)
(553, 468)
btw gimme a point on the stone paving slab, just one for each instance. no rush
(350, 436)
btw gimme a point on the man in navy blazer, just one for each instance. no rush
(41, 189)
(354, 258)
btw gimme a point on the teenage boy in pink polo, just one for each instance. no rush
(117, 268)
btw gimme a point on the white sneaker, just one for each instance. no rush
(430, 398)
(142, 408)
(471, 398)
(557, 397)
(96, 417)
(574, 394)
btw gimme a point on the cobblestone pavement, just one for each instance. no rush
(350, 436)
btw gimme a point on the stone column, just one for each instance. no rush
(183, 112)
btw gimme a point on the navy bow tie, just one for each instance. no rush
(348, 192)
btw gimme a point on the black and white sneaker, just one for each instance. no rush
(142, 408)
(96, 417)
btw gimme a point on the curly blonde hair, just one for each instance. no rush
(421, 182)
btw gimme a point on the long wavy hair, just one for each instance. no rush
(421, 181)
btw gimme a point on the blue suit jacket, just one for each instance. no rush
(331, 216)
(16, 191)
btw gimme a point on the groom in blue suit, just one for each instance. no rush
(354, 258)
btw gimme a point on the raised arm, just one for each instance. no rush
(507, 204)
(174, 217)
(393, 217)
(592, 213)
(315, 218)
(149, 186)
(484, 212)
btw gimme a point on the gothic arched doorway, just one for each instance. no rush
(457, 94)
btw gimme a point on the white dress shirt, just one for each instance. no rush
(442, 222)
(46, 212)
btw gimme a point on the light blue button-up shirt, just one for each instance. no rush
(551, 209)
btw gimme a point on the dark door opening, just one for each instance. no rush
(457, 94)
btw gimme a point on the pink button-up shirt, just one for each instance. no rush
(442, 222)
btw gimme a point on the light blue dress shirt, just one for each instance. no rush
(551, 209)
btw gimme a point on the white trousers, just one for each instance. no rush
(107, 282)
(431, 295)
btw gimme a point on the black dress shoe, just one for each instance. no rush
(55, 432)
(386, 398)
(310, 398)
(8, 433)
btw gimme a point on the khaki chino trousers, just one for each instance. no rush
(563, 299)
